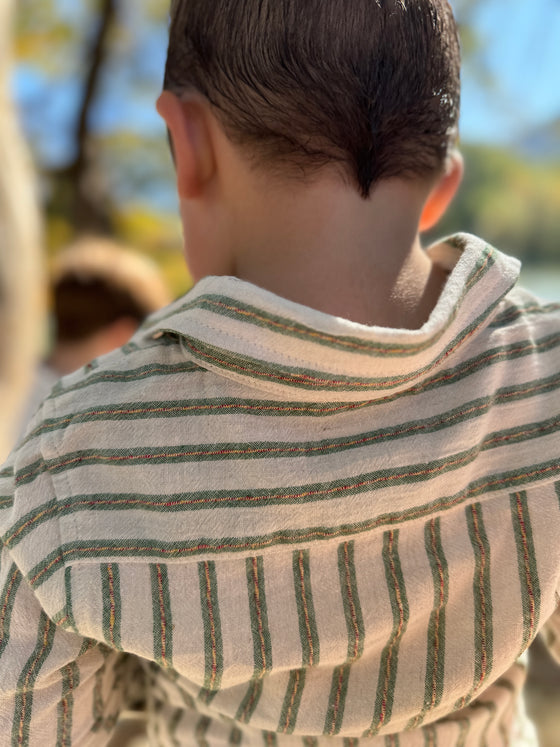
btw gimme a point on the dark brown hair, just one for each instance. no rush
(97, 282)
(372, 85)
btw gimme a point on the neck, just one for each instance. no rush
(324, 246)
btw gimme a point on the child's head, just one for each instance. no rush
(369, 85)
(98, 284)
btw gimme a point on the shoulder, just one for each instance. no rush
(522, 311)
(119, 403)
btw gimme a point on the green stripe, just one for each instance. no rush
(430, 735)
(318, 380)
(213, 647)
(7, 599)
(392, 740)
(270, 738)
(513, 313)
(492, 713)
(435, 645)
(482, 362)
(527, 567)
(355, 631)
(351, 601)
(482, 593)
(504, 724)
(27, 679)
(262, 646)
(350, 742)
(464, 729)
(157, 456)
(292, 702)
(232, 308)
(557, 488)
(112, 605)
(69, 610)
(337, 700)
(132, 548)
(200, 731)
(250, 701)
(174, 722)
(158, 409)
(143, 456)
(6, 501)
(174, 408)
(235, 737)
(98, 703)
(162, 618)
(243, 498)
(148, 371)
(70, 675)
(308, 632)
(435, 669)
(389, 658)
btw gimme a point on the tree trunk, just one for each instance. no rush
(80, 192)
(21, 282)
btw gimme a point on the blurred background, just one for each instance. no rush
(87, 74)
(83, 152)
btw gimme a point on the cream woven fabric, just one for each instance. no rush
(306, 530)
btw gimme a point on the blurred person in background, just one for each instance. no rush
(21, 278)
(101, 293)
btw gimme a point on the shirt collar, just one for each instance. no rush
(248, 334)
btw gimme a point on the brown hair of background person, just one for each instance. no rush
(308, 83)
(101, 293)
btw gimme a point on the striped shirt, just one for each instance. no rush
(301, 530)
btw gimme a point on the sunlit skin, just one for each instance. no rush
(315, 241)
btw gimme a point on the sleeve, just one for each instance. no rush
(56, 687)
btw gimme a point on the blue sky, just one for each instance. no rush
(520, 50)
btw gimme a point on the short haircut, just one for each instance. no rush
(371, 85)
(96, 282)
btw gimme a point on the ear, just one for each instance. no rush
(188, 124)
(443, 193)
